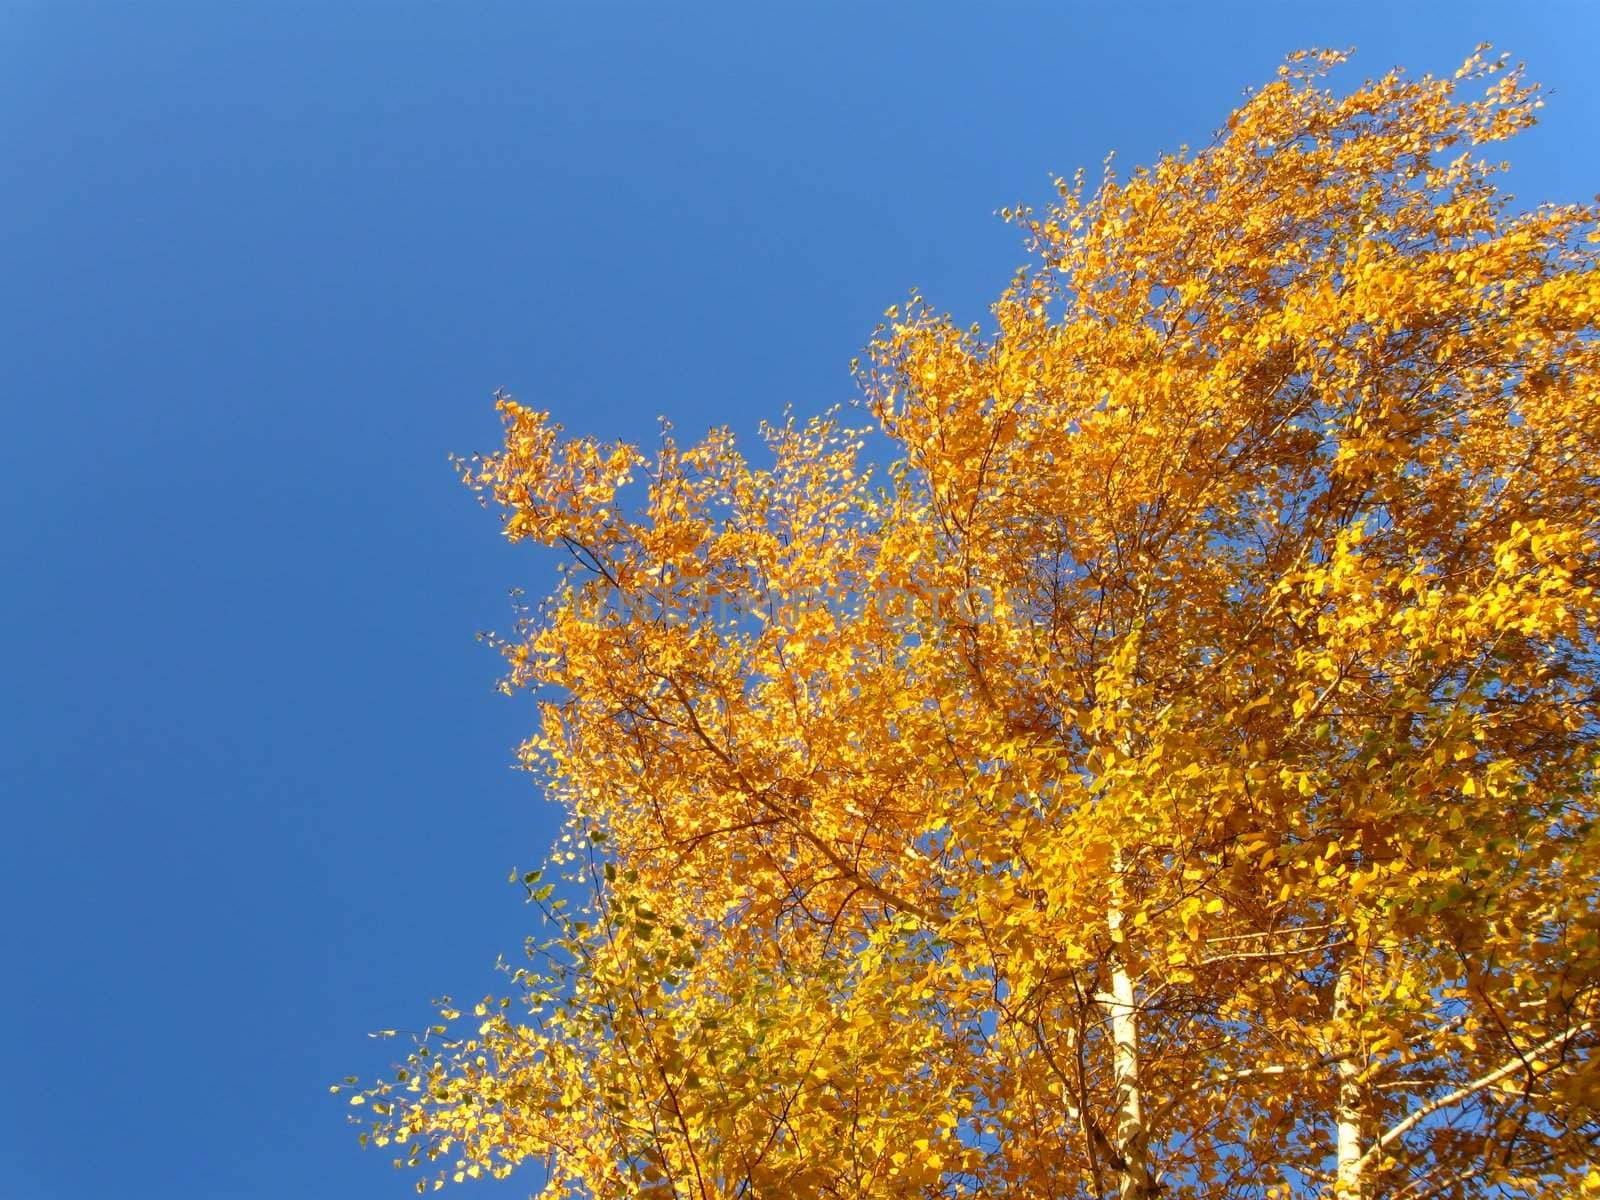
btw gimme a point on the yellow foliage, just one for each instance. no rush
(1173, 775)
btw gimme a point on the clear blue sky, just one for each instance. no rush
(262, 266)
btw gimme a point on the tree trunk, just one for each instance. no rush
(1348, 1111)
(1133, 1173)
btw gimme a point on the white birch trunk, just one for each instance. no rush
(1133, 1176)
(1348, 1111)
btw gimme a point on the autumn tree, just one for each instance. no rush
(1172, 776)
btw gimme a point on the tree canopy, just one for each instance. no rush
(1171, 775)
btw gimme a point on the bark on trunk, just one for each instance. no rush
(1134, 1180)
(1348, 1111)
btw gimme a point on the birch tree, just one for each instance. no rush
(1172, 775)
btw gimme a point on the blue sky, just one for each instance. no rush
(262, 266)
